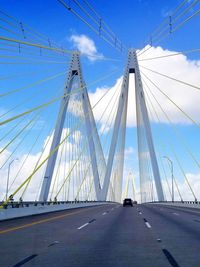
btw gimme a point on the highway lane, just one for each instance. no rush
(145, 235)
(108, 235)
(27, 236)
(179, 231)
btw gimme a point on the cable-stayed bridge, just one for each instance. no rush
(64, 154)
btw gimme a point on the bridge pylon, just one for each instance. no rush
(91, 130)
(141, 111)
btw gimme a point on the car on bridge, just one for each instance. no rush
(128, 202)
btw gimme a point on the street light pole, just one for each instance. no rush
(172, 173)
(8, 177)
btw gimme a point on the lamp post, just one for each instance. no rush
(8, 177)
(171, 165)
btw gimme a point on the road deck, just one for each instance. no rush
(108, 235)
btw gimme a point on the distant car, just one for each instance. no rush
(127, 202)
(135, 202)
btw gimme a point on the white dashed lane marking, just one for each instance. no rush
(148, 224)
(82, 226)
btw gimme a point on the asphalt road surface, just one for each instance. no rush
(107, 235)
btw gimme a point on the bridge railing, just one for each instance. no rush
(26, 204)
(179, 202)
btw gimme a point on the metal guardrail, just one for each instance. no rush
(26, 204)
(178, 202)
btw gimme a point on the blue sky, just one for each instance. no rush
(133, 22)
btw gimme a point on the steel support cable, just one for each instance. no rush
(88, 24)
(49, 78)
(171, 78)
(102, 58)
(80, 154)
(184, 174)
(17, 135)
(153, 108)
(168, 33)
(174, 152)
(58, 168)
(73, 166)
(49, 155)
(167, 19)
(99, 17)
(106, 141)
(74, 153)
(171, 55)
(186, 20)
(79, 165)
(169, 26)
(21, 53)
(29, 50)
(84, 21)
(46, 104)
(18, 34)
(11, 130)
(172, 147)
(69, 160)
(180, 109)
(17, 75)
(98, 22)
(32, 60)
(26, 158)
(38, 161)
(178, 190)
(149, 100)
(179, 137)
(109, 124)
(91, 184)
(89, 165)
(29, 29)
(26, 187)
(18, 145)
(102, 117)
(43, 150)
(7, 39)
(24, 102)
(186, 10)
(172, 21)
(103, 131)
(10, 31)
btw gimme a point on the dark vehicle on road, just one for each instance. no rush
(127, 202)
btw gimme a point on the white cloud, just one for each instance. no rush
(86, 46)
(179, 67)
(30, 163)
(185, 191)
(108, 104)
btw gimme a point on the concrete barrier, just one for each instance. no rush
(17, 212)
(189, 204)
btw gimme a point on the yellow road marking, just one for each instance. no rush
(40, 221)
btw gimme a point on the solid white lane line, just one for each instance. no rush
(79, 228)
(148, 224)
(175, 213)
(104, 213)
